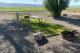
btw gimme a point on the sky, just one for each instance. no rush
(75, 3)
(23, 1)
(35, 2)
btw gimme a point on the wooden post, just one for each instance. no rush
(17, 15)
(17, 21)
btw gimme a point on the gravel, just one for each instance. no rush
(5, 45)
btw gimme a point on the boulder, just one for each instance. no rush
(69, 35)
(40, 38)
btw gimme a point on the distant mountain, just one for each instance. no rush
(18, 5)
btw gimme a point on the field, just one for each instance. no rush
(22, 9)
(72, 9)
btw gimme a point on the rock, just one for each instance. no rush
(70, 35)
(40, 38)
(1, 37)
(65, 15)
(76, 33)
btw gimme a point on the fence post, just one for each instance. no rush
(17, 21)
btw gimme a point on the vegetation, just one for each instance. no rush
(47, 28)
(56, 6)
(33, 9)
(22, 9)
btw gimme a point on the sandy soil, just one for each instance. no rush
(56, 44)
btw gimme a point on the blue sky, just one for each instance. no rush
(33, 2)
(23, 1)
(72, 3)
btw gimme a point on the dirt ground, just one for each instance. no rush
(72, 20)
(22, 41)
(4, 18)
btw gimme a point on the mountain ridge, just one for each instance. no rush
(2, 4)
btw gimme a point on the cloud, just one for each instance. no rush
(75, 3)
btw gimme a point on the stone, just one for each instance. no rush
(70, 35)
(65, 15)
(40, 38)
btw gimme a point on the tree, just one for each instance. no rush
(56, 6)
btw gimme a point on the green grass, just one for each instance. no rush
(34, 9)
(47, 28)
(22, 9)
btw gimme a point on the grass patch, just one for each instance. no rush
(22, 9)
(47, 28)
